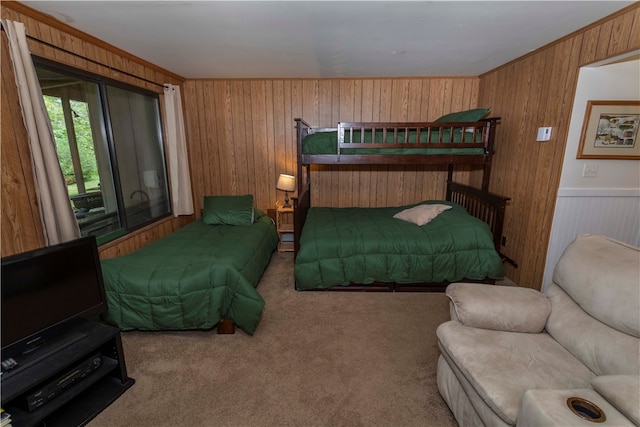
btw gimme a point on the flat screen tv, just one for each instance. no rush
(45, 290)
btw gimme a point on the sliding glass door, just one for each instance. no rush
(110, 148)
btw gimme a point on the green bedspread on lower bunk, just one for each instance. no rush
(327, 143)
(339, 246)
(192, 278)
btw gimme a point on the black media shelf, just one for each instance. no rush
(82, 399)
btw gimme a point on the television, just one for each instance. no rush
(45, 292)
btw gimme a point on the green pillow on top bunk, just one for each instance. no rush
(465, 116)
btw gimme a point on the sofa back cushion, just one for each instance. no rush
(595, 304)
(602, 276)
(604, 350)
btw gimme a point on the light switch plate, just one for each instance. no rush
(590, 170)
(544, 134)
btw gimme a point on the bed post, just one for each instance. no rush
(226, 327)
(489, 151)
(303, 175)
(302, 202)
(300, 209)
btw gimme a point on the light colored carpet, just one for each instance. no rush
(317, 359)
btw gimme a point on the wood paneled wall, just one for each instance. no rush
(241, 132)
(242, 135)
(21, 221)
(21, 224)
(533, 91)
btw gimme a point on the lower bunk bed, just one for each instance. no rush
(202, 275)
(373, 249)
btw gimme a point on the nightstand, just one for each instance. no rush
(284, 225)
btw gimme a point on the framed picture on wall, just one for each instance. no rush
(610, 130)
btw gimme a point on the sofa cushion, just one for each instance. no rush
(502, 366)
(467, 406)
(601, 348)
(622, 391)
(602, 276)
(520, 309)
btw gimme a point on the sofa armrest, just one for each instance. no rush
(549, 408)
(501, 308)
(622, 391)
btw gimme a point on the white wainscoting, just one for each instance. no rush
(612, 212)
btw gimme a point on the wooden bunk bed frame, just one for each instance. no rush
(483, 132)
(480, 203)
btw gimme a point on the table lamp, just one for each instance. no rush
(286, 183)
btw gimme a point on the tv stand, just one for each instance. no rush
(68, 400)
(46, 348)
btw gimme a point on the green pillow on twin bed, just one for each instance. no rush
(228, 210)
(465, 116)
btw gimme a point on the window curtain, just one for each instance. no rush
(181, 198)
(58, 220)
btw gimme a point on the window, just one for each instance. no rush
(109, 143)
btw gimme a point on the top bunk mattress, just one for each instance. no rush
(327, 143)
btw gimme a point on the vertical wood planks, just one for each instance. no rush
(248, 155)
(532, 91)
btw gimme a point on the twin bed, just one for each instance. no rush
(196, 277)
(206, 273)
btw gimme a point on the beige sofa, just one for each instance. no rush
(514, 356)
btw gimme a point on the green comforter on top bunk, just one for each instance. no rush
(339, 246)
(192, 278)
(327, 143)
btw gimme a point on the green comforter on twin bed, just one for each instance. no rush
(339, 246)
(192, 278)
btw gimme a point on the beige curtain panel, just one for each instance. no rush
(58, 220)
(179, 176)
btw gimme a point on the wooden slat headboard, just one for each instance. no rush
(488, 207)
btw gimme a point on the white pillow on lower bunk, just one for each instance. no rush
(421, 214)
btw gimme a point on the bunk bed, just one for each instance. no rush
(337, 248)
(200, 276)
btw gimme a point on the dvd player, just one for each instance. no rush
(39, 397)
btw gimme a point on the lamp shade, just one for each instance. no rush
(286, 182)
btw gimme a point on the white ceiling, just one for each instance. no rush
(266, 39)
